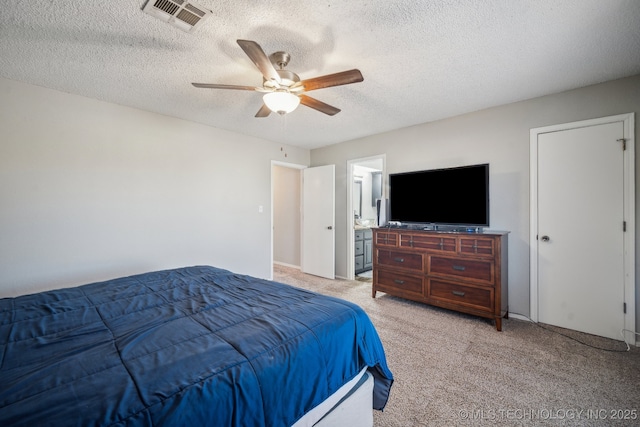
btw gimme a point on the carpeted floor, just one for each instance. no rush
(453, 369)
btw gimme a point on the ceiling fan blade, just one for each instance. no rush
(264, 111)
(318, 105)
(337, 79)
(217, 86)
(257, 55)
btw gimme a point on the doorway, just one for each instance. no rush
(303, 229)
(582, 226)
(365, 184)
(286, 199)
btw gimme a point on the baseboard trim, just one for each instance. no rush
(519, 317)
(284, 264)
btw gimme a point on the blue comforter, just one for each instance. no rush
(187, 347)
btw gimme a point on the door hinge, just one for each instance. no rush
(624, 143)
(624, 226)
(624, 307)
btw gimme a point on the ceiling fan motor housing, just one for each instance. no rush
(280, 59)
(287, 79)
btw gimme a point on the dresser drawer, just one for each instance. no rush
(477, 246)
(386, 239)
(434, 243)
(405, 260)
(480, 298)
(402, 282)
(359, 247)
(481, 271)
(359, 235)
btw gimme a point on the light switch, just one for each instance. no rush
(260, 209)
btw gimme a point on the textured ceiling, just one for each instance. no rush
(422, 60)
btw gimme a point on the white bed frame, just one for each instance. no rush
(351, 405)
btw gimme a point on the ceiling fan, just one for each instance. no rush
(283, 89)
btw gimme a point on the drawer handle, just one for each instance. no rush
(458, 293)
(459, 267)
(398, 259)
(399, 282)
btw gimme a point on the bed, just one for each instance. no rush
(187, 347)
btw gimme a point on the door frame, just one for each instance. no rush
(629, 214)
(350, 227)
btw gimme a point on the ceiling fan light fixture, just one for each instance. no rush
(281, 102)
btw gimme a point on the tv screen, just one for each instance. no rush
(454, 196)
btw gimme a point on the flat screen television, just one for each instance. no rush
(451, 197)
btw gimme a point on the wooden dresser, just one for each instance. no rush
(466, 272)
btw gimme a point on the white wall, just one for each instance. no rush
(499, 136)
(286, 215)
(91, 190)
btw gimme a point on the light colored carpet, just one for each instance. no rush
(454, 369)
(365, 275)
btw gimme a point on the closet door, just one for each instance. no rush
(580, 229)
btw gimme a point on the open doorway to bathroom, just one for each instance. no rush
(366, 178)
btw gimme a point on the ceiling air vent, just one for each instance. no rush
(185, 15)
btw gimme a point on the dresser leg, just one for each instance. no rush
(373, 292)
(499, 323)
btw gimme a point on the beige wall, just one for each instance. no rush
(91, 190)
(499, 136)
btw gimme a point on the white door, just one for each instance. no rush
(318, 218)
(580, 236)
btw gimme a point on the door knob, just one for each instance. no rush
(545, 238)
(330, 227)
